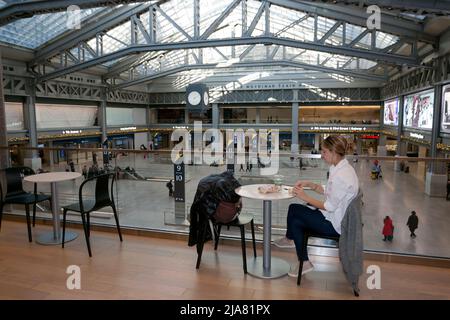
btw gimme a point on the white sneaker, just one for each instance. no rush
(307, 267)
(293, 272)
(284, 243)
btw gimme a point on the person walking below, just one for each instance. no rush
(72, 166)
(448, 190)
(413, 223)
(143, 148)
(169, 186)
(85, 172)
(388, 229)
(376, 170)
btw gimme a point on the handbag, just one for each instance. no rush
(227, 211)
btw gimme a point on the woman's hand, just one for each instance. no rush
(308, 184)
(303, 184)
(299, 192)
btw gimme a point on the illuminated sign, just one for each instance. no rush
(418, 110)
(416, 135)
(445, 122)
(127, 128)
(391, 112)
(72, 131)
(333, 128)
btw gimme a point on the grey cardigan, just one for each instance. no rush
(351, 242)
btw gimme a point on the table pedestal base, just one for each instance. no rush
(49, 239)
(278, 268)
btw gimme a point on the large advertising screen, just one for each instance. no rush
(391, 112)
(445, 124)
(418, 110)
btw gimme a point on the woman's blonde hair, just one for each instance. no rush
(338, 144)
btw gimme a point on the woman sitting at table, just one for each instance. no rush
(322, 217)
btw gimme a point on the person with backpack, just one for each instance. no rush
(376, 170)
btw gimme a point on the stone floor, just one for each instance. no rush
(146, 204)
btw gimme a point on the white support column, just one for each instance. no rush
(317, 141)
(359, 145)
(51, 157)
(215, 115)
(31, 159)
(152, 116)
(102, 119)
(294, 127)
(381, 149)
(4, 154)
(186, 116)
(152, 119)
(401, 149)
(147, 123)
(436, 175)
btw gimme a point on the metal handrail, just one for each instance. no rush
(281, 154)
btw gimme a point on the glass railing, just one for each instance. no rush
(143, 200)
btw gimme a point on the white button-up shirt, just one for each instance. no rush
(341, 188)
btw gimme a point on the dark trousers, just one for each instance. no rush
(300, 219)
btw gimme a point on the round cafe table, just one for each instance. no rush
(54, 237)
(269, 267)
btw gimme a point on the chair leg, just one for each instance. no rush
(64, 227)
(252, 225)
(88, 220)
(300, 269)
(85, 227)
(117, 221)
(27, 212)
(34, 214)
(219, 227)
(200, 243)
(50, 202)
(244, 254)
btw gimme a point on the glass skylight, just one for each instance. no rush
(37, 30)
(175, 23)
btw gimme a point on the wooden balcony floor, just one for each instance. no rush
(154, 268)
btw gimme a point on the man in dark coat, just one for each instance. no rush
(413, 223)
(169, 186)
(72, 166)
